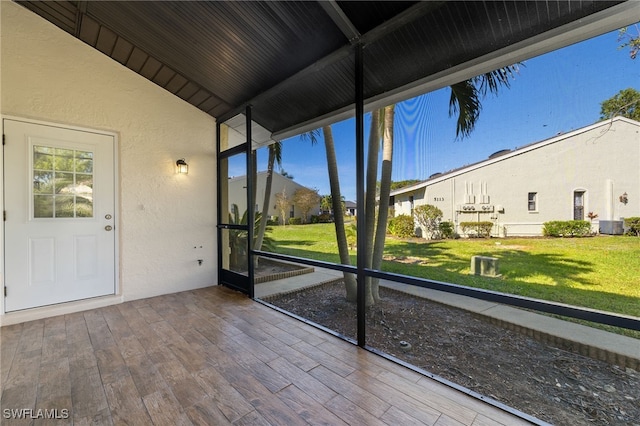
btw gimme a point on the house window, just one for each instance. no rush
(411, 203)
(533, 201)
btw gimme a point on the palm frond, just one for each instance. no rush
(466, 96)
(465, 102)
(277, 152)
(312, 136)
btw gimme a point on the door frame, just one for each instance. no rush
(72, 306)
(227, 277)
(583, 197)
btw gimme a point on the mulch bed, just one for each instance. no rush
(548, 383)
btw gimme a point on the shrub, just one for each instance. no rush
(429, 218)
(351, 232)
(446, 230)
(321, 218)
(566, 228)
(402, 226)
(480, 229)
(325, 218)
(295, 221)
(632, 226)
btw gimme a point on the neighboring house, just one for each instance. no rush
(279, 184)
(350, 208)
(593, 169)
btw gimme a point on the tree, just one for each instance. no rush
(465, 101)
(338, 210)
(376, 224)
(625, 103)
(306, 199)
(284, 173)
(336, 205)
(325, 203)
(429, 217)
(275, 156)
(282, 204)
(466, 96)
(402, 183)
(630, 40)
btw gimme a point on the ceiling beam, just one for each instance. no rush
(338, 16)
(411, 14)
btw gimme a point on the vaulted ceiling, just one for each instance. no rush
(294, 61)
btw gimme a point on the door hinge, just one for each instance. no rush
(4, 215)
(5, 291)
(4, 139)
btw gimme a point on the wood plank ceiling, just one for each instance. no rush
(293, 61)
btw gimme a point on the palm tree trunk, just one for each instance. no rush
(267, 199)
(338, 214)
(385, 190)
(372, 176)
(370, 199)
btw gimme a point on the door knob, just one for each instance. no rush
(108, 216)
(108, 228)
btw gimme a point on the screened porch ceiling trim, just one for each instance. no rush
(293, 61)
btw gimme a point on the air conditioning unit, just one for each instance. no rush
(611, 227)
(486, 208)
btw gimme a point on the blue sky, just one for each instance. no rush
(557, 92)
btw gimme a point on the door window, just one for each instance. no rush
(62, 182)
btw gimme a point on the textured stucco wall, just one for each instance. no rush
(601, 160)
(48, 75)
(279, 183)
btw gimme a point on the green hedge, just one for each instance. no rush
(447, 230)
(402, 226)
(321, 218)
(567, 228)
(632, 226)
(481, 229)
(295, 221)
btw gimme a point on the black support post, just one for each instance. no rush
(250, 203)
(362, 242)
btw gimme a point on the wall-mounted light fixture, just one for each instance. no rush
(624, 198)
(182, 165)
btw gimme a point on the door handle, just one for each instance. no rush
(108, 228)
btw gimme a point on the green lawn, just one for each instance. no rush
(600, 273)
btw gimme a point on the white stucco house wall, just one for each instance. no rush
(279, 184)
(163, 222)
(593, 169)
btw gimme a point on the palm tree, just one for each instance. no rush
(338, 211)
(387, 119)
(275, 156)
(465, 100)
(466, 96)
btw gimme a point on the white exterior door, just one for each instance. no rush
(60, 225)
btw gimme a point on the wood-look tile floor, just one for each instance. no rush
(212, 357)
